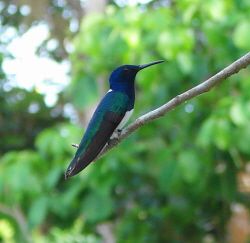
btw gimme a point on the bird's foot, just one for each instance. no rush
(115, 136)
(119, 132)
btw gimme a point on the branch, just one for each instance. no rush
(203, 87)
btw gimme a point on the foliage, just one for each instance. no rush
(28, 115)
(55, 14)
(175, 179)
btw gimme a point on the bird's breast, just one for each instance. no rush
(125, 119)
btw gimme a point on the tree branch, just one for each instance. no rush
(203, 87)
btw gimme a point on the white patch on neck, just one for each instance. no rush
(125, 119)
(110, 90)
(122, 123)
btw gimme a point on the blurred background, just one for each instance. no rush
(182, 178)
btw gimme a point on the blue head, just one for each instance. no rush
(123, 78)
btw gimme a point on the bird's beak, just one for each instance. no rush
(149, 64)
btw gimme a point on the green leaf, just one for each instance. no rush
(206, 132)
(223, 134)
(84, 91)
(97, 206)
(243, 138)
(38, 211)
(185, 62)
(169, 178)
(241, 34)
(238, 114)
(189, 166)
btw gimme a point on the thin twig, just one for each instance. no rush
(75, 145)
(201, 88)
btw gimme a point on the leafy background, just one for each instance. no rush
(182, 178)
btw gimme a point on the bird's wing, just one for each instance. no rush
(105, 120)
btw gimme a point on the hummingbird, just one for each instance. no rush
(110, 116)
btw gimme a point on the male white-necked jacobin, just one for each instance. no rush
(110, 116)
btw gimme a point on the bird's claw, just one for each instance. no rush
(115, 136)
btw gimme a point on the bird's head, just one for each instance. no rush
(123, 77)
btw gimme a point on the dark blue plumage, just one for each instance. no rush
(111, 114)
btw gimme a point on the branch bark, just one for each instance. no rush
(203, 87)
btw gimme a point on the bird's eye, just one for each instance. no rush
(125, 69)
